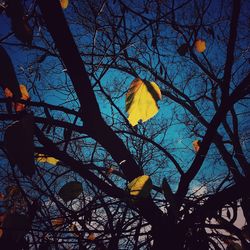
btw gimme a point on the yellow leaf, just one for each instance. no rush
(196, 145)
(200, 45)
(64, 4)
(46, 158)
(140, 186)
(91, 236)
(25, 94)
(141, 100)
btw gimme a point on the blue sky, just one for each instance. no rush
(177, 140)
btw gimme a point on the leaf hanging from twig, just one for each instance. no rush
(183, 49)
(141, 100)
(18, 141)
(196, 145)
(70, 191)
(140, 186)
(64, 4)
(45, 158)
(200, 45)
(25, 96)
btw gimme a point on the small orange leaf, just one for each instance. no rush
(196, 145)
(91, 236)
(64, 4)
(200, 45)
(25, 96)
(19, 107)
(57, 222)
(110, 170)
(1, 232)
(8, 93)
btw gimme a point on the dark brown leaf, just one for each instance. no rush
(18, 141)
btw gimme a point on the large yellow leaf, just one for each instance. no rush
(140, 186)
(141, 100)
(45, 158)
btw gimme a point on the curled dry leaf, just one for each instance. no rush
(200, 45)
(141, 100)
(140, 186)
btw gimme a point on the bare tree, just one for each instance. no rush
(79, 67)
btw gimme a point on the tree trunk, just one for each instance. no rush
(166, 235)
